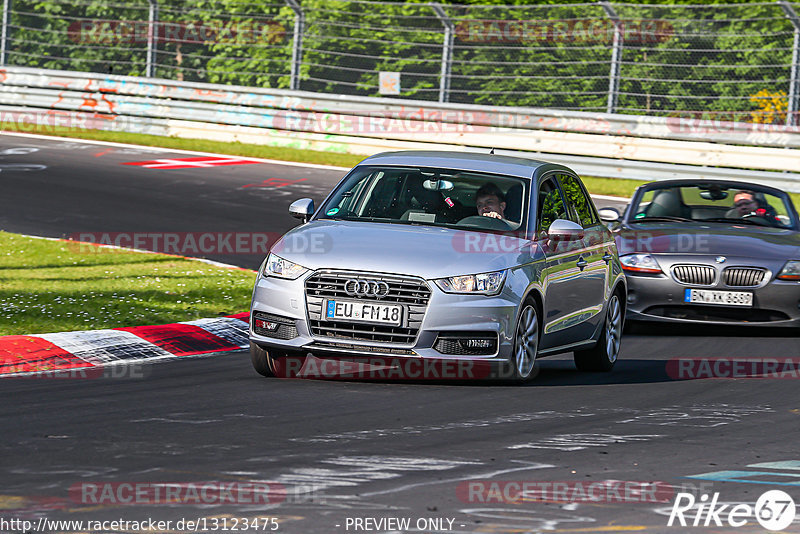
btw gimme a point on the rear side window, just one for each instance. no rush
(578, 200)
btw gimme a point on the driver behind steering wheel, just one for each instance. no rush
(490, 201)
(746, 204)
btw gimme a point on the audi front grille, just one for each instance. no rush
(744, 276)
(694, 275)
(412, 293)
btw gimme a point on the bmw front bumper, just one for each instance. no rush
(659, 298)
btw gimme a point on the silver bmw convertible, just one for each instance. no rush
(710, 252)
(448, 257)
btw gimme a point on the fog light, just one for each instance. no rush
(632, 297)
(477, 343)
(266, 325)
(274, 326)
(467, 343)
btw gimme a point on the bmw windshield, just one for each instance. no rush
(715, 204)
(432, 197)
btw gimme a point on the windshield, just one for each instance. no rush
(431, 197)
(713, 203)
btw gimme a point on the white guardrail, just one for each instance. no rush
(596, 144)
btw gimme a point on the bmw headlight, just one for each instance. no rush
(640, 263)
(281, 268)
(482, 284)
(790, 271)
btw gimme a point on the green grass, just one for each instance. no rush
(596, 186)
(611, 186)
(55, 286)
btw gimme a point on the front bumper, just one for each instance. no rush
(659, 298)
(446, 315)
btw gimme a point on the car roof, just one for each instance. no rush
(729, 184)
(463, 161)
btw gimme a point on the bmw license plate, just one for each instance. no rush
(724, 298)
(366, 312)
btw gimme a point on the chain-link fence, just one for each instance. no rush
(728, 61)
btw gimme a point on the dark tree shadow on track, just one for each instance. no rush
(705, 330)
(552, 373)
(626, 371)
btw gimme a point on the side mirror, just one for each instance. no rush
(302, 209)
(564, 230)
(609, 214)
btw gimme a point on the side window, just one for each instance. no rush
(551, 205)
(349, 200)
(578, 200)
(382, 195)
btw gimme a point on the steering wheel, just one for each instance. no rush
(486, 223)
(769, 220)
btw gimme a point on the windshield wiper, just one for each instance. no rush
(663, 218)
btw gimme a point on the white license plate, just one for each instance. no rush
(725, 298)
(366, 312)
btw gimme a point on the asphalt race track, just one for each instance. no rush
(339, 453)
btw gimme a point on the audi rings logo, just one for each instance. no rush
(366, 288)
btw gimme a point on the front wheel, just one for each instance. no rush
(526, 344)
(603, 355)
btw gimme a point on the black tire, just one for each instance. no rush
(262, 363)
(524, 364)
(603, 356)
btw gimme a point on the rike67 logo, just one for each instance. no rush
(774, 510)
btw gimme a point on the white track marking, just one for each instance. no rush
(173, 150)
(104, 346)
(234, 331)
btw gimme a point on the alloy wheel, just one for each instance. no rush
(527, 342)
(613, 329)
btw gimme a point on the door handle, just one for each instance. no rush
(607, 257)
(582, 263)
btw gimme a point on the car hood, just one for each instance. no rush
(709, 239)
(424, 251)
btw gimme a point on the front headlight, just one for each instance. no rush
(482, 284)
(790, 271)
(640, 263)
(280, 268)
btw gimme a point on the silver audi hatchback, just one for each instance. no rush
(458, 258)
